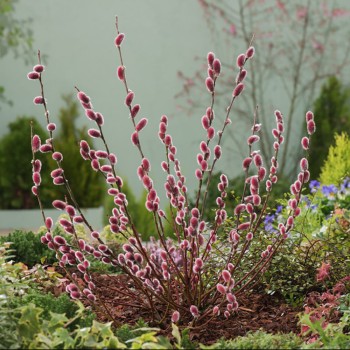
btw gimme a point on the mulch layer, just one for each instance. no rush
(256, 312)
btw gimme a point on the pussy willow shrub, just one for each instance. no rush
(191, 279)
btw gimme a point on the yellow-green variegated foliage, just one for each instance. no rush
(337, 164)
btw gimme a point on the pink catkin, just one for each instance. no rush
(210, 58)
(209, 82)
(175, 317)
(141, 124)
(38, 100)
(33, 75)
(36, 143)
(94, 133)
(217, 66)
(57, 156)
(121, 73)
(238, 90)
(240, 60)
(135, 138)
(250, 52)
(134, 111)
(129, 98)
(211, 133)
(119, 39)
(39, 68)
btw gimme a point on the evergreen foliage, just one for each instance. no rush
(332, 110)
(15, 166)
(337, 165)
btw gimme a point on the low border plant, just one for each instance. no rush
(192, 279)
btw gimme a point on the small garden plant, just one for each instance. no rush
(200, 275)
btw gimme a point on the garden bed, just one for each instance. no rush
(257, 311)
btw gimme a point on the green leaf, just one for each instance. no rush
(176, 334)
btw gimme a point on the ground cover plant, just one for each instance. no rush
(201, 274)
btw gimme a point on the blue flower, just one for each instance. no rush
(279, 209)
(314, 186)
(269, 223)
(269, 219)
(345, 185)
(329, 191)
(306, 200)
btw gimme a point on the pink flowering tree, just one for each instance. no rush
(300, 45)
(195, 277)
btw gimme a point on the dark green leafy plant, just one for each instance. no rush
(15, 158)
(260, 340)
(320, 235)
(28, 249)
(332, 108)
(50, 303)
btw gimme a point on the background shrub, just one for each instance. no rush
(28, 248)
(337, 165)
(15, 165)
(332, 108)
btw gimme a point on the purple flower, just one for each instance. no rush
(279, 209)
(329, 191)
(314, 185)
(345, 186)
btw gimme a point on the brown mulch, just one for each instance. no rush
(256, 311)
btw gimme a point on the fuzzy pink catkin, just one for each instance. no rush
(51, 127)
(309, 116)
(175, 317)
(305, 143)
(37, 165)
(217, 151)
(59, 180)
(36, 143)
(33, 75)
(119, 39)
(311, 127)
(209, 82)
(135, 138)
(58, 204)
(198, 174)
(83, 97)
(252, 139)
(217, 66)
(241, 76)
(135, 110)
(141, 124)
(120, 73)
(210, 58)
(205, 122)
(39, 68)
(129, 98)
(57, 172)
(240, 60)
(90, 114)
(38, 100)
(211, 133)
(194, 311)
(36, 178)
(238, 90)
(250, 52)
(304, 164)
(94, 133)
(57, 156)
(221, 288)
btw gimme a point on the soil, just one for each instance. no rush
(257, 311)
